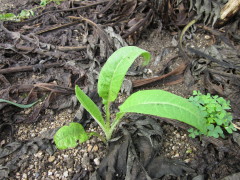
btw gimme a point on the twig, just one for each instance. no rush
(36, 46)
(70, 48)
(138, 25)
(184, 31)
(99, 29)
(224, 74)
(237, 127)
(181, 38)
(26, 68)
(55, 27)
(109, 5)
(176, 71)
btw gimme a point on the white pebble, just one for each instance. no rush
(65, 174)
(24, 176)
(207, 37)
(176, 155)
(96, 161)
(65, 156)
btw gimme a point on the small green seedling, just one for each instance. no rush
(45, 2)
(214, 109)
(151, 102)
(26, 13)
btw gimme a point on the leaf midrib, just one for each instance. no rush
(108, 99)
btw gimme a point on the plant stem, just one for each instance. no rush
(184, 31)
(107, 123)
(115, 122)
(107, 110)
(98, 135)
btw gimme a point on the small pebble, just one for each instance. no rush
(70, 111)
(51, 158)
(96, 161)
(24, 176)
(187, 160)
(2, 142)
(27, 111)
(37, 175)
(176, 155)
(89, 149)
(207, 37)
(95, 148)
(65, 174)
(39, 154)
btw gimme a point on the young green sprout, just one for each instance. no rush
(150, 102)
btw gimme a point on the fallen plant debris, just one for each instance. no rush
(177, 71)
(134, 154)
(45, 55)
(28, 68)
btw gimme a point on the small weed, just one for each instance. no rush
(45, 2)
(214, 110)
(26, 13)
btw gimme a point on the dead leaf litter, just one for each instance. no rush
(43, 58)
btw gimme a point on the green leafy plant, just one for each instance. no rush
(45, 2)
(152, 102)
(214, 110)
(26, 13)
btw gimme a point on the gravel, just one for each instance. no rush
(62, 164)
(177, 145)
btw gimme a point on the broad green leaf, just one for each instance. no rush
(90, 106)
(113, 72)
(164, 104)
(67, 136)
(18, 105)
